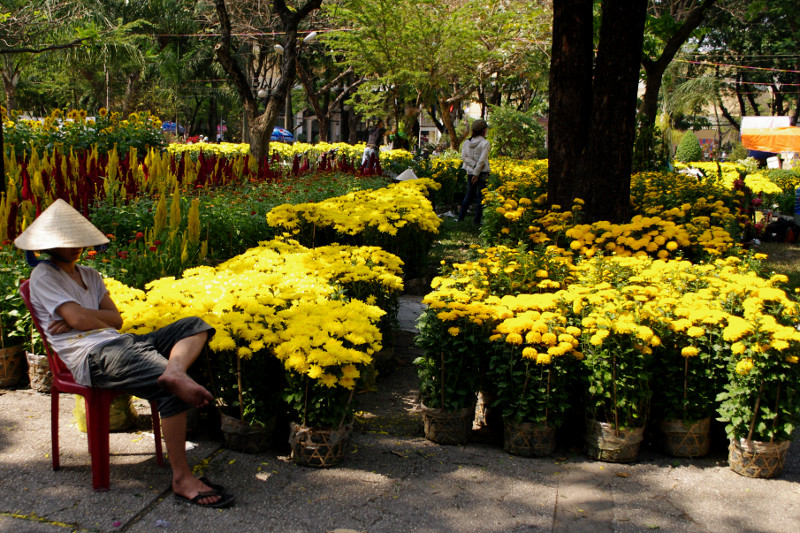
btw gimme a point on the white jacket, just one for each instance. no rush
(475, 155)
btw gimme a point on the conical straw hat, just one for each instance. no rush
(60, 226)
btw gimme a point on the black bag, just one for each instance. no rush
(781, 230)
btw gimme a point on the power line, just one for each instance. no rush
(748, 67)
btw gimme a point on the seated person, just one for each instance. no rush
(81, 322)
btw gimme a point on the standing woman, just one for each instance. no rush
(475, 155)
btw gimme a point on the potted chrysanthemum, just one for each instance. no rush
(689, 363)
(618, 357)
(449, 369)
(534, 362)
(324, 347)
(761, 401)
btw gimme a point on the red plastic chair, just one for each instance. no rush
(98, 403)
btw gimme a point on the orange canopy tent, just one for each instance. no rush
(772, 139)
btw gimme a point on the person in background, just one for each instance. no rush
(475, 158)
(81, 324)
(376, 133)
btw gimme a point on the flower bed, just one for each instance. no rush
(313, 311)
(398, 218)
(656, 340)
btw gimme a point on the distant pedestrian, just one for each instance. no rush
(475, 157)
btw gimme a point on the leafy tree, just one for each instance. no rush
(516, 134)
(326, 88)
(32, 28)
(752, 49)
(669, 24)
(689, 148)
(436, 55)
(286, 20)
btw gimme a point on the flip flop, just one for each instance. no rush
(226, 500)
(215, 486)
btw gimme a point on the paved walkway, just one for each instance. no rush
(393, 480)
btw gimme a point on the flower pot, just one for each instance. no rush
(757, 459)
(448, 427)
(39, 372)
(11, 359)
(686, 438)
(320, 447)
(529, 440)
(247, 438)
(605, 443)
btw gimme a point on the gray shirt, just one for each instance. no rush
(51, 287)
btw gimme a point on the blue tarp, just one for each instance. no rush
(281, 135)
(170, 127)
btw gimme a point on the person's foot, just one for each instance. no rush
(185, 388)
(193, 490)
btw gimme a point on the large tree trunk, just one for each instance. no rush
(570, 101)
(593, 160)
(616, 80)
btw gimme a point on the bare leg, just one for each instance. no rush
(183, 481)
(177, 381)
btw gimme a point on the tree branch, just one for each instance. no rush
(32, 50)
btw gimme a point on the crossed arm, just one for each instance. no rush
(74, 316)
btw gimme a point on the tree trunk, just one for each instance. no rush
(616, 80)
(324, 126)
(2, 159)
(130, 93)
(352, 121)
(260, 126)
(570, 100)
(594, 163)
(10, 80)
(654, 69)
(447, 120)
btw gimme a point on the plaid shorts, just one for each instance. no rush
(133, 363)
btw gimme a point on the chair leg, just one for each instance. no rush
(54, 428)
(98, 410)
(157, 433)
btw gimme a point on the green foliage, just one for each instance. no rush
(689, 148)
(688, 386)
(449, 370)
(261, 379)
(531, 392)
(516, 134)
(316, 405)
(788, 181)
(763, 404)
(738, 152)
(15, 324)
(618, 384)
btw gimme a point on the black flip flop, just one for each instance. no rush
(215, 486)
(226, 500)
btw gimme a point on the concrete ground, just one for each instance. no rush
(392, 480)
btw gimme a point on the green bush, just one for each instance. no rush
(737, 152)
(689, 148)
(788, 180)
(516, 134)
